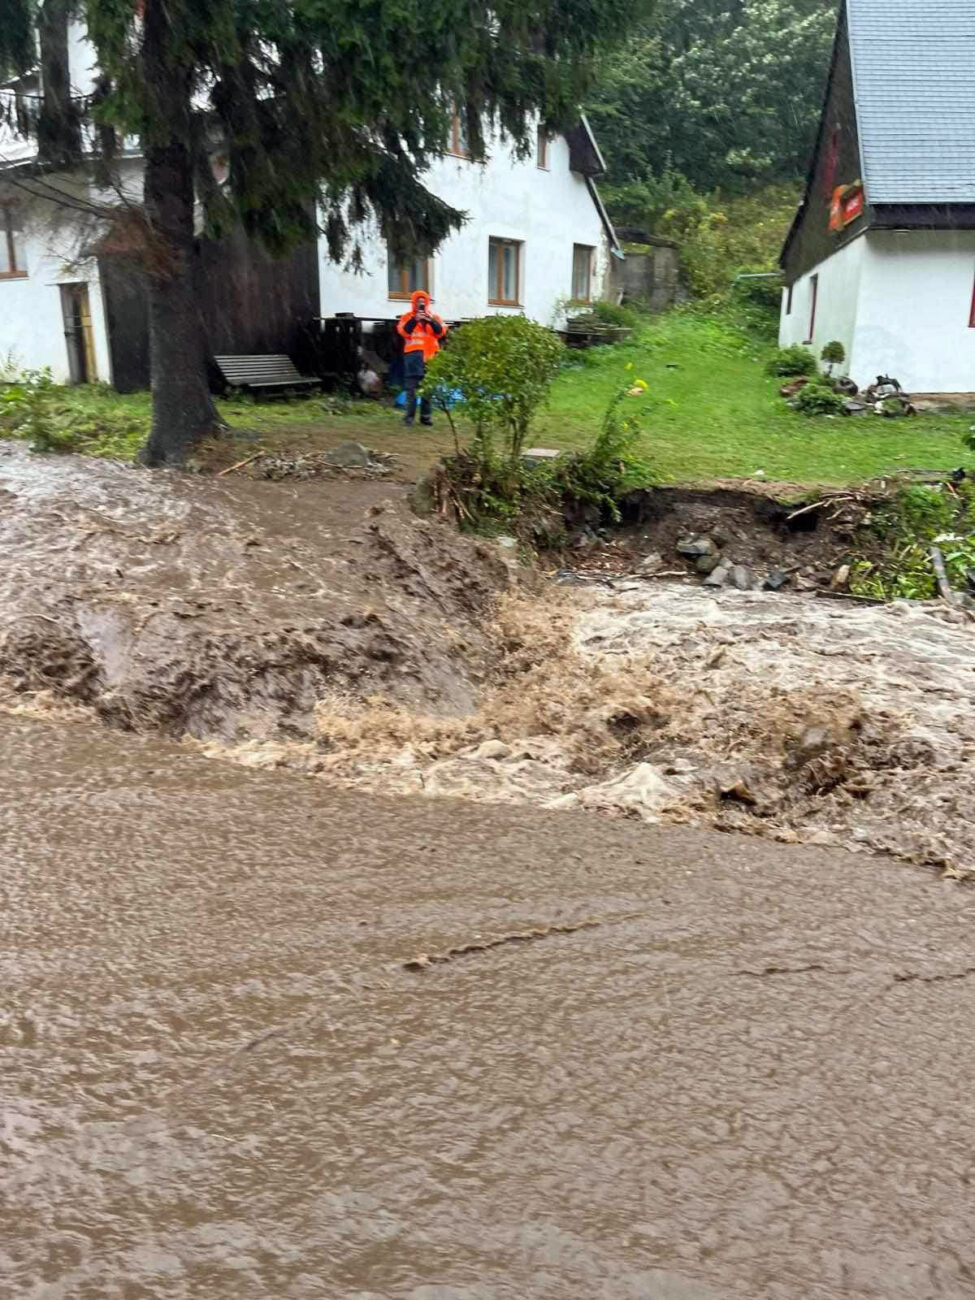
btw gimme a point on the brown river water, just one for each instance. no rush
(638, 1061)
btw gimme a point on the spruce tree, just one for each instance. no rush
(328, 112)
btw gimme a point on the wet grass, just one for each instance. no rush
(714, 414)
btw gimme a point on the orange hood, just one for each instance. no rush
(418, 296)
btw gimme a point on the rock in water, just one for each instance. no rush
(776, 580)
(718, 577)
(741, 578)
(349, 455)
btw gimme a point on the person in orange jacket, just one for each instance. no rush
(421, 332)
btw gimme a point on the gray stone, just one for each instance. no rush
(651, 563)
(694, 547)
(776, 580)
(719, 577)
(741, 578)
(707, 563)
(349, 455)
(853, 407)
(423, 501)
(495, 749)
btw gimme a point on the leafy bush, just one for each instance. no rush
(791, 362)
(916, 518)
(819, 399)
(763, 291)
(718, 235)
(54, 418)
(833, 354)
(612, 313)
(27, 410)
(612, 467)
(504, 367)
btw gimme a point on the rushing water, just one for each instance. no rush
(746, 1077)
(220, 1081)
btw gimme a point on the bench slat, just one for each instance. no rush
(273, 370)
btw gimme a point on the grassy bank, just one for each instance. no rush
(713, 414)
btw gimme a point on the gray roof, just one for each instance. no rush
(914, 80)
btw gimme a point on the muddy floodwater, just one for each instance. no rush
(748, 1079)
(310, 1032)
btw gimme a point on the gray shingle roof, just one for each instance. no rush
(914, 79)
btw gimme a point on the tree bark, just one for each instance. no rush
(58, 126)
(182, 408)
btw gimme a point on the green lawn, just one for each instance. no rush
(711, 413)
(714, 413)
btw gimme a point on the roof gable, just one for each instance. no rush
(914, 87)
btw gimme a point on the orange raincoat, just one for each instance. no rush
(421, 336)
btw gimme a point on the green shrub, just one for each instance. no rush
(612, 313)
(612, 466)
(819, 399)
(764, 292)
(833, 354)
(791, 362)
(504, 367)
(28, 410)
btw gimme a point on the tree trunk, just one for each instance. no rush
(182, 408)
(58, 126)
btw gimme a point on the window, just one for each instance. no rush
(458, 138)
(13, 256)
(788, 300)
(504, 272)
(582, 272)
(541, 153)
(405, 278)
(971, 314)
(813, 300)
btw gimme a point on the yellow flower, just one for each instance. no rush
(629, 365)
(642, 383)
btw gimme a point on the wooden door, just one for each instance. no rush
(78, 333)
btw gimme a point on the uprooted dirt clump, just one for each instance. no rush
(765, 714)
(166, 603)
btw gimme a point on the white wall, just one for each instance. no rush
(547, 210)
(915, 307)
(900, 302)
(31, 323)
(837, 302)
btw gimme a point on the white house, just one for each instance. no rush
(881, 256)
(536, 238)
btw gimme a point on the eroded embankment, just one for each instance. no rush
(169, 603)
(315, 628)
(783, 716)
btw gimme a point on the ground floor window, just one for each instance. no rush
(788, 300)
(406, 277)
(813, 303)
(13, 255)
(582, 272)
(504, 272)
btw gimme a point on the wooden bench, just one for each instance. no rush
(263, 373)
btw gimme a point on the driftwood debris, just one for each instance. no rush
(941, 573)
(241, 463)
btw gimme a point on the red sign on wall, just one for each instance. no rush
(848, 203)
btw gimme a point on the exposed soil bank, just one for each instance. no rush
(760, 526)
(170, 603)
(747, 1080)
(313, 626)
